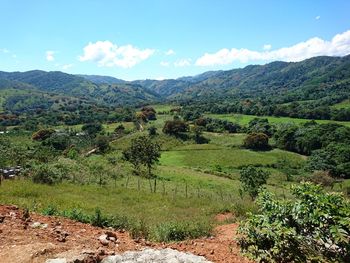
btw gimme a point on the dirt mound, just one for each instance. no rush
(35, 238)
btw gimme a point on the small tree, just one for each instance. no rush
(252, 179)
(142, 151)
(175, 127)
(256, 141)
(92, 129)
(102, 142)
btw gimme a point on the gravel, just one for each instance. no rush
(157, 256)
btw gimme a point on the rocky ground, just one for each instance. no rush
(36, 238)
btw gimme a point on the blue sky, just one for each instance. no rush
(166, 38)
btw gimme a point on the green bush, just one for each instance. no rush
(252, 180)
(314, 227)
(45, 174)
(256, 141)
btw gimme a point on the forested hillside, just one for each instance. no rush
(309, 89)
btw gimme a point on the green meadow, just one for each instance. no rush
(245, 119)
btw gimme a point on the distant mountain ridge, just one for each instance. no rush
(316, 75)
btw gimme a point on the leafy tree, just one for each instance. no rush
(149, 112)
(175, 127)
(252, 179)
(42, 134)
(258, 125)
(311, 227)
(58, 141)
(142, 151)
(46, 174)
(100, 171)
(102, 142)
(92, 129)
(256, 141)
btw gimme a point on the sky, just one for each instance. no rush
(160, 39)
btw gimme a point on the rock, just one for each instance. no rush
(56, 260)
(111, 234)
(36, 225)
(112, 259)
(156, 256)
(2, 218)
(103, 240)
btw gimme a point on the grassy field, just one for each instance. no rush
(245, 119)
(194, 182)
(342, 105)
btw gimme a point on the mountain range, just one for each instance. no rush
(289, 81)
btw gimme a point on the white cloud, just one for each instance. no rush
(170, 52)
(67, 66)
(4, 50)
(107, 54)
(267, 47)
(182, 62)
(50, 55)
(338, 46)
(164, 63)
(317, 17)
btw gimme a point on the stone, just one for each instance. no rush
(56, 260)
(103, 240)
(111, 234)
(36, 225)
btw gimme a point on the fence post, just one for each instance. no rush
(155, 184)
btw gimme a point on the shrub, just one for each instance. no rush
(323, 178)
(256, 141)
(252, 179)
(45, 174)
(313, 227)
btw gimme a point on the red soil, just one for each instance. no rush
(64, 238)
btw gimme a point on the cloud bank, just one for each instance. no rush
(107, 54)
(338, 46)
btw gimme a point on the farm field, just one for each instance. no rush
(188, 174)
(245, 119)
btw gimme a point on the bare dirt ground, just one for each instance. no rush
(35, 238)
